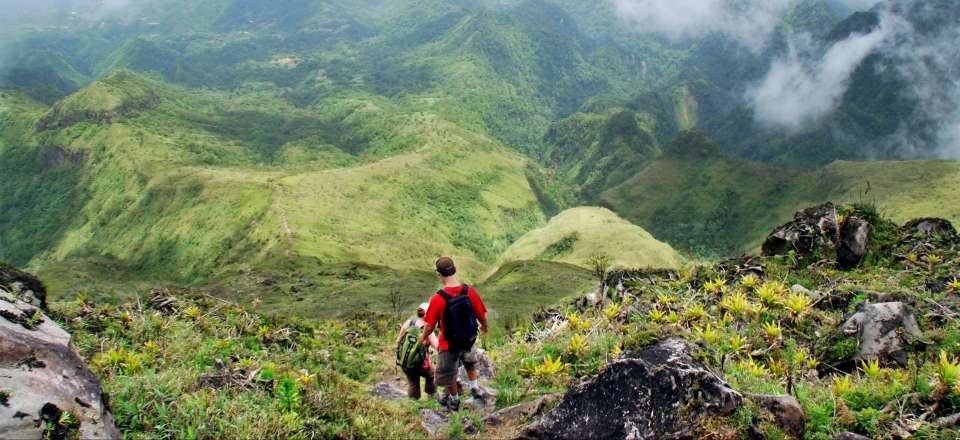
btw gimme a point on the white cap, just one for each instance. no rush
(423, 306)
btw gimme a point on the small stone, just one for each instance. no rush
(787, 412)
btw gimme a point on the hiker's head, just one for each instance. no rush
(445, 267)
(422, 310)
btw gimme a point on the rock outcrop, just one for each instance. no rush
(42, 377)
(883, 331)
(658, 393)
(23, 286)
(520, 411)
(823, 231)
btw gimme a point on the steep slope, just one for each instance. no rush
(185, 186)
(695, 197)
(577, 234)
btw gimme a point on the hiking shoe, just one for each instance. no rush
(453, 403)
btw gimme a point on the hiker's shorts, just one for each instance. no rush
(449, 363)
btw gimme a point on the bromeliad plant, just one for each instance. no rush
(954, 285)
(716, 285)
(948, 374)
(749, 281)
(736, 304)
(797, 304)
(771, 293)
(550, 368)
(933, 260)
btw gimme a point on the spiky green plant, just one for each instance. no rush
(798, 304)
(954, 285)
(657, 315)
(749, 281)
(771, 293)
(842, 385)
(694, 312)
(613, 312)
(772, 330)
(933, 260)
(753, 368)
(948, 373)
(716, 285)
(549, 368)
(709, 335)
(871, 368)
(577, 347)
(736, 304)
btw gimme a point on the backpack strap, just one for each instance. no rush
(465, 289)
(443, 294)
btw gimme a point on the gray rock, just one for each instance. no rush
(787, 412)
(520, 411)
(881, 329)
(814, 232)
(433, 421)
(661, 392)
(924, 228)
(388, 391)
(43, 377)
(796, 288)
(854, 243)
(483, 399)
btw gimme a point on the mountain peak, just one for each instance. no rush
(121, 93)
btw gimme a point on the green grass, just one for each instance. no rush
(699, 200)
(596, 231)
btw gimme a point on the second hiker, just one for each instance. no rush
(456, 308)
(413, 357)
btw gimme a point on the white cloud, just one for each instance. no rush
(750, 22)
(797, 90)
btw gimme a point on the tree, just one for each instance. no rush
(397, 302)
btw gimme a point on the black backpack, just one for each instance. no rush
(459, 320)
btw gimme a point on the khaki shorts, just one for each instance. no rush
(449, 364)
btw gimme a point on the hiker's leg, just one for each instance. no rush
(445, 375)
(413, 384)
(471, 360)
(429, 386)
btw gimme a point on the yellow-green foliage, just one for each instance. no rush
(596, 229)
(308, 382)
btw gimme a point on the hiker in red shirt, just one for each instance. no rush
(457, 309)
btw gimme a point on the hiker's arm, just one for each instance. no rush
(403, 328)
(434, 342)
(483, 325)
(427, 331)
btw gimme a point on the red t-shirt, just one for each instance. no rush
(438, 304)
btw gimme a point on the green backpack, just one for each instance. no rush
(410, 354)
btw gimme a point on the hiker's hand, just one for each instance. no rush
(483, 329)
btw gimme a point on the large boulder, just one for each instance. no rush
(883, 331)
(815, 232)
(854, 243)
(44, 377)
(661, 392)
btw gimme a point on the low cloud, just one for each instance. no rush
(800, 88)
(749, 22)
(929, 65)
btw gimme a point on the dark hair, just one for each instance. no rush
(445, 267)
